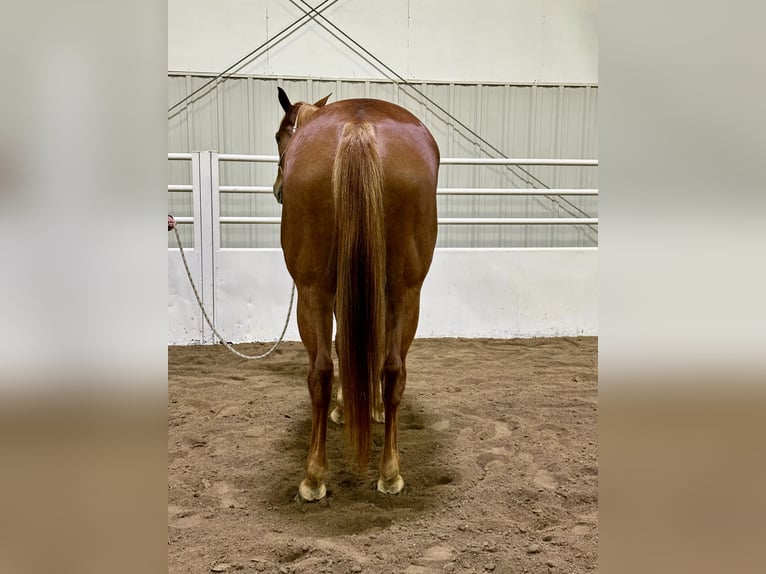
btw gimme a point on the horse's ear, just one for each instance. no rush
(323, 101)
(284, 101)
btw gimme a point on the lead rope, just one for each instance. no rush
(210, 323)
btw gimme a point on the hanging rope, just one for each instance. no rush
(172, 225)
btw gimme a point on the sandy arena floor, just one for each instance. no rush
(498, 443)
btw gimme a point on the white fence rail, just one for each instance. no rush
(469, 292)
(209, 170)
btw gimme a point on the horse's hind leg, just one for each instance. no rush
(378, 407)
(403, 316)
(337, 413)
(315, 325)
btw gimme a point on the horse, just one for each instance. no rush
(357, 182)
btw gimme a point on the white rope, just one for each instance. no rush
(210, 323)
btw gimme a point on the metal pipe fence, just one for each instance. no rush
(206, 189)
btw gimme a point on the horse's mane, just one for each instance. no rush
(305, 111)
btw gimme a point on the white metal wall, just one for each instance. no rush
(468, 293)
(525, 41)
(519, 74)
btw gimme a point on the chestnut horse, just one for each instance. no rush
(357, 180)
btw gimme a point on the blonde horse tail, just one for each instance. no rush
(357, 183)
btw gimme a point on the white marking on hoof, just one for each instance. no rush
(379, 414)
(311, 494)
(394, 486)
(336, 416)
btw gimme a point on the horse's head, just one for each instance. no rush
(295, 115)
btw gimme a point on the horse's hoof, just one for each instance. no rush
(309, 494)
(337, 416)
(394, 486)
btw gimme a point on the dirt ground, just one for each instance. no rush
(498, 453)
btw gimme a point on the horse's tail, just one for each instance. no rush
(357, 184)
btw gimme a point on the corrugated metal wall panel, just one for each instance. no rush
(241, 115)
(179, 171)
